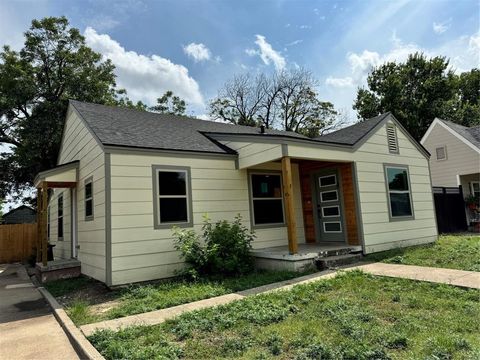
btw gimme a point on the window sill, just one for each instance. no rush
(171, 225)
(269, 226)
(402, 218)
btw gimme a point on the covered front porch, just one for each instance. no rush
(320, 194)
(61, 177)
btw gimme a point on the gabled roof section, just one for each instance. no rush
(354, 133)
(468, 135)
(19, 208)
(117, 126)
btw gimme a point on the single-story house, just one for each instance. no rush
(125, 177)
(20, 215)
(456, 157)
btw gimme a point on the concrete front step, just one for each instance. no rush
(335, 261)
(337, 252)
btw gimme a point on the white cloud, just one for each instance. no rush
(198, 52)
(267, 53)
(293, 43)
(145, 77)
(440, 28)
(305, 27)
(345, 82)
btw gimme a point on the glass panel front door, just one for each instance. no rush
(329, 207)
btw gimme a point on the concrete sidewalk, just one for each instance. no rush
(28, 330)
(468, 279)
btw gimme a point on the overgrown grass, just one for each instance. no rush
(141, 298)
(352, 316)
(450, 251)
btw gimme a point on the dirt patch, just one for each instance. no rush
(95, 293)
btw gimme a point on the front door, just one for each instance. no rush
(329, 207)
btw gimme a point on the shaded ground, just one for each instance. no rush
(27, 327)
(455, 251)
(87, 301)
(352, 316)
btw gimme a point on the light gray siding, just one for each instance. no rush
(461, 159)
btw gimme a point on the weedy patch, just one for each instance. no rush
(449, 251)
(351, 316)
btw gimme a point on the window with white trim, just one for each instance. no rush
(399, 192)
(60, 216)
(266, 199)
(441, 152)
(172, 199)
(89, 199)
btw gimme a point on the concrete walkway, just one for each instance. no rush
(468, 279)
(28, 330)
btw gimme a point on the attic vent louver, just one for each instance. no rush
(392, 139)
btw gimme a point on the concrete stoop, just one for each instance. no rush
(308, 257)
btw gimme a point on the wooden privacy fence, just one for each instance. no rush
(17, 242)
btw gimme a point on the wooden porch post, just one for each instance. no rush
(39, 224)
(44, 236)
(289, 209)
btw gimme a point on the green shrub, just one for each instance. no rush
(226, 248)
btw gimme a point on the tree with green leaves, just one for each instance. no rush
(35, 84)
(286, 100)
(171, 104)
(419, 90)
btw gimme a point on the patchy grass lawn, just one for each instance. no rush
(352, 316)
(87, 301)
(450, 251)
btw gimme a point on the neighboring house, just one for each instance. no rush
(20, 215)
(455, 157)
(132, 175)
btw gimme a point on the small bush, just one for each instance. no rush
(226, 250)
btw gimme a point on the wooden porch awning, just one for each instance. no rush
(62, 176)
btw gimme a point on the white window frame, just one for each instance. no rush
(326, 201)
(409, 192)
(327, 176)
(329, 207)
(157, 223)
(471, 187)
(89, 217)
(252, 199)
(332, 222)
(444, 147)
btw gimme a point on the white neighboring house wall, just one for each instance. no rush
(78, 143)
(379, 232)
(462, 158)
(140, 252)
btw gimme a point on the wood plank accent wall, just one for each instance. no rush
(306, 168)
(17, 242)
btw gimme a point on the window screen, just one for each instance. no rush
(172, 196)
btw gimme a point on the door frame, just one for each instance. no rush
(315, 188)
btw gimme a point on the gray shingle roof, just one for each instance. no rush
(472, 134)
(354, 133)
(141, 129)
(133, 128)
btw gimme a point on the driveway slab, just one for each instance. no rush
(28, 330)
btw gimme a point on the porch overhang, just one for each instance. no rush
(62, 176)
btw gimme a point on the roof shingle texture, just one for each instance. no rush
(472, 134)
(133, 128)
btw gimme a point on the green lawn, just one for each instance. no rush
(450, 251)
(352, 316)
(148, 297)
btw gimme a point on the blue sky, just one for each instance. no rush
(193, 47)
